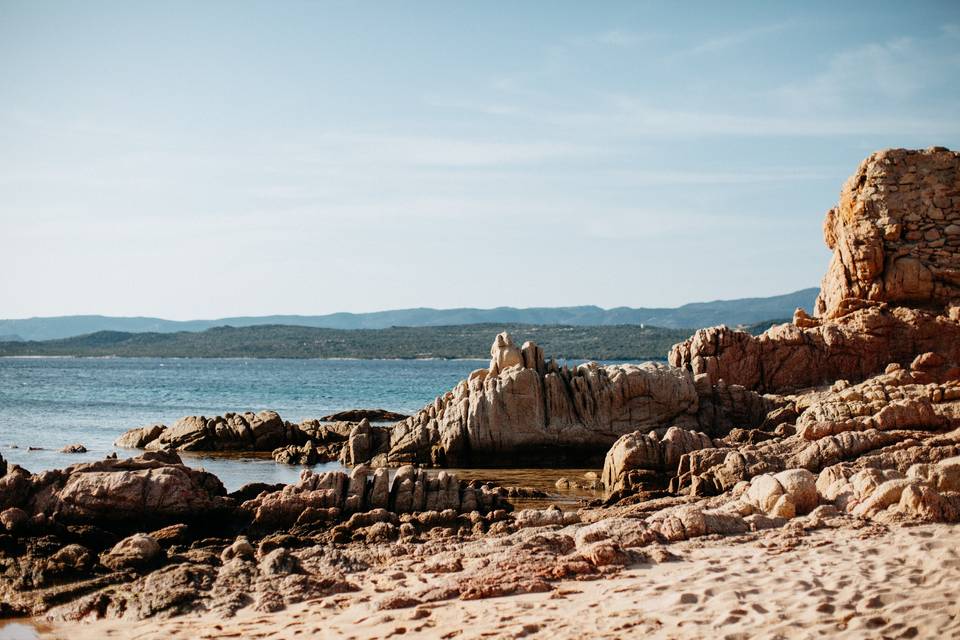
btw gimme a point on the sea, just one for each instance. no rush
(47, 403)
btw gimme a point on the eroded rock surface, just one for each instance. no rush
(893, 420)
(525, 409)
(638, 458)
(307, 443)
(892, 290)
(811, 352)
(895, 233)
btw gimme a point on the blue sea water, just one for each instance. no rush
(52, 402)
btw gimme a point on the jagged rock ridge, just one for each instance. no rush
(525, 408)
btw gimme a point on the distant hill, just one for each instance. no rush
(745, 311)
(615, 342)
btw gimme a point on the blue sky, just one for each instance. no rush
(193, 160)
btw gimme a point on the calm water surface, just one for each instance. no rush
(49, 403)
(52, 402)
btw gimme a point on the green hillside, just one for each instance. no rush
(627, 342)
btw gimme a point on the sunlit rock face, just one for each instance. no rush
(895, 234)
(523, 409)
(891, 292)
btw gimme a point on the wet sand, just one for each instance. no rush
(846, 583)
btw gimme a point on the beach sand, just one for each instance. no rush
(901, 582)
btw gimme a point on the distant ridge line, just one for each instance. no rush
(689, 316)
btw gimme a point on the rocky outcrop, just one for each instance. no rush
(927, 492)
(307, 443)
(326, 497)
(523, 409)
(307, 454)
(363, 441)
(139, 437)
(325, 443)
(262, 431)
(356, 415)
(153, 488)
(68, 539)
(135, 552)
(895, 233)
(810, 352)
(156, 489)
(893, 420)
(638, 459)
(892, 290)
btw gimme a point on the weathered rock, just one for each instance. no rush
(248, 431)
(241, 548)
(307, 454)
(523, 406)
(14, 519)
(927, 492)
(140, 437)
(781, 495)
(15, 487)
(853, 347)
(646, 452)
(136, 552)
(361, 443)
(625, 532)
(150, 488)
(326, 497)
(886, 402)
(71, 560)
(876, 255)
(504, 354)
(889, 420)
(264, 431)
(889, 293)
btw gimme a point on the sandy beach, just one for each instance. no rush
(870, 582)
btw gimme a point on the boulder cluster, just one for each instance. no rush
(307, 443)
(870, 381)
(85, 533)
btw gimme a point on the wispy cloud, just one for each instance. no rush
(614, 38)
(875, 74)
(900, 87)
(730, 40)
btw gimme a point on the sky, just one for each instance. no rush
(199, 160)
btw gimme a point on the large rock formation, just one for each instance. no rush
(525, 409)
(895, 233)
(892, 290)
